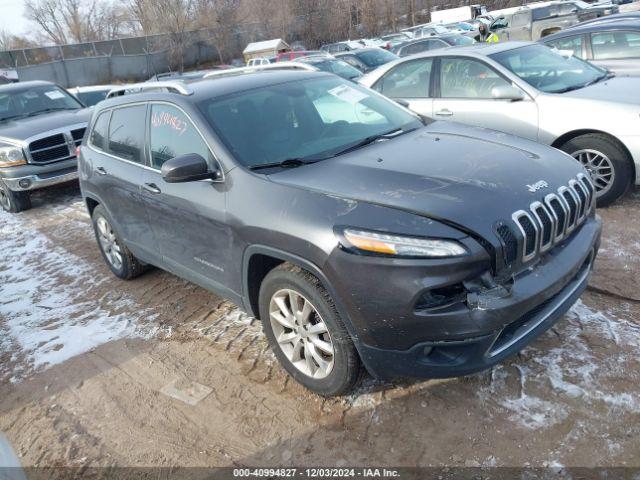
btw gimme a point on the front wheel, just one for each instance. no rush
(606, 161)
(13, 202)
(306, 333)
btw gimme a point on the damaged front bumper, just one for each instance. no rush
(485, 325)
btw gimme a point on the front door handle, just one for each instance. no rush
(444, 113)
(152, 188)
(101, 171)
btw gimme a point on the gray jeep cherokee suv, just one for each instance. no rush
(40, 127)
(355, 232)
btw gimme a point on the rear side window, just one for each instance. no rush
(172, 134)
(612, 45)
(573, 44)
(98, 137)
(407, 80)
(126, 133)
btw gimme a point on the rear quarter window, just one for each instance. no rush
(100, 131)
(126, 133)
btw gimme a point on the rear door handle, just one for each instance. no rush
(152, 188)
(444, 113)
(101, 171)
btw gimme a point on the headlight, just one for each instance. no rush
(11, 156)
(402, 246)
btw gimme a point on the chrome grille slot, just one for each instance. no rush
(549, 222)
(547, 227)
(529, 230)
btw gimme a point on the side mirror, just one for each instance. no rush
(507, 92)
(187, 168)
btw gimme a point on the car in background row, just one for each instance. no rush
(532, 22)
(91, 95)
(611, 45)
(185, 76)
(388, 42)
(41, 125)
(433, 43)
(288, 56)
(367, 59)
(531, 91)
(297, 194)
(331, 65)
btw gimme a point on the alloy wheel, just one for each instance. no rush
(301, 333)
(599, 167)
(109, 243)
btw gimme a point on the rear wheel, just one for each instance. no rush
(13, 202)
(606, 161)
(306, 332)
(118, 257)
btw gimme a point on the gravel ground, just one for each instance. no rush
(159, 372)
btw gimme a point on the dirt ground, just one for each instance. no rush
(99, 372)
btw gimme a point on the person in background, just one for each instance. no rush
(484, 35)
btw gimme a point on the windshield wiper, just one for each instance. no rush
(47, 110)
(606, 76)
(374, 138)
(288, 163)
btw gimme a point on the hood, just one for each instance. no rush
(616, 89)
(23, 128)
(463, 176)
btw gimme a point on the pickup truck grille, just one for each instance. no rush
(51, 149)
(77, 135)
(548, 222)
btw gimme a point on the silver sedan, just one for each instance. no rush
(532, 91)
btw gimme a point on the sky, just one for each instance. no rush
(11, 19)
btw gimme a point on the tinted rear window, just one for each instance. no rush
(98, 136)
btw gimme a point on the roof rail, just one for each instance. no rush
(258, 68)
(171, 86)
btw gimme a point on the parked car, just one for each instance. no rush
(41, 125)
(487, 241)
(332, 65)
(433, 43)
(186, 76)
(90, 96)
(533, 22)
(367, 59)
(431, 31)
(611, 45)
(258, 61)
(388, 42)
(531, 91)
(288, 56)
(586, 11)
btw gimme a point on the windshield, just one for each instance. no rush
(375, 58)
(340, 68)
(458, 40)
(307, 120)
(92, 98)
(34, 100)
(548, 70)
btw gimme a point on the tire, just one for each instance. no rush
(599, 154)
(113, 248)
(344, 368)
(13, 202)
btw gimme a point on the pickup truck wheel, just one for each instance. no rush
(118, 257)
(13, 202)
(606, 161)
(305, 331)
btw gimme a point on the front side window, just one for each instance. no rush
(468, 78)
(309, 120)
(172, 134)
(407, 80)
(547, 70)
(99, 134)
(126, 133)
(572, 44)
(35, 100)
(613, 45)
